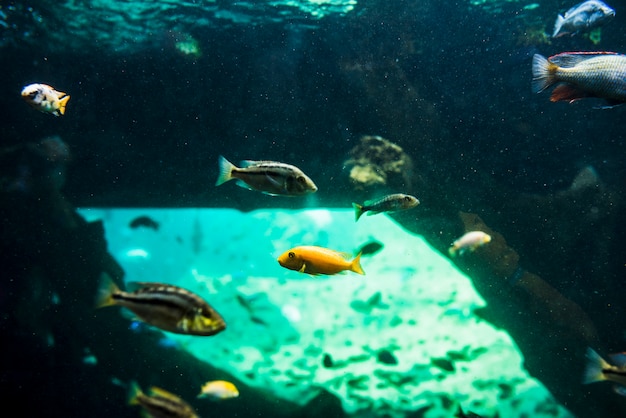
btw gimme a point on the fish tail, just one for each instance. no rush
(358, 211)
(355, 265)
(105, 291)
(62, 104)
(557, 25)
(226, 169)
(543, 73)
(133, 393)
(595, 364)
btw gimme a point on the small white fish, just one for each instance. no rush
(469, 242)
(45, 98)
(583, 16)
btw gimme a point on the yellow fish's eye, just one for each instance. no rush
(291, 254)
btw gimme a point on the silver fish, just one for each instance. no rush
(389, 203)
(269, 177)
(584, 16)
(582, 74)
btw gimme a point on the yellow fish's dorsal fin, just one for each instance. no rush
(63, 103)
(157, 391)
(355, 265)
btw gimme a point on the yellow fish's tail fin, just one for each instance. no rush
(355, 265)
(105, 291)
(595, 364)
(358, 211)
(543, 73)
(62, 104)
(134, 391)
(226, 169)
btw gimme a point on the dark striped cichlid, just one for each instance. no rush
(170, 308)
(389, 203)
(159, 403)
(582, 74)
(269, 177)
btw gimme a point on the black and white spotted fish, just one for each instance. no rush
(389, 203)
(170, 308)
(269, 177)
(159, 403)
(45, 98)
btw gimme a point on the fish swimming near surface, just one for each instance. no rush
(582, 74)
(469, 242)
(389, 203)
(170, 308)
(144, 221)
(318, 260)
(45, 98)
(582, 17)
(269, 177)
(598, 370)
(218, 390)
(160, 403)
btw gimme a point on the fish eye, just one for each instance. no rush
(407, 198)
(291, 254)
(301, 180)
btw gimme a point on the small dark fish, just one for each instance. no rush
(582, 74)
(160, 403)
(582, 17)
(370, 248)
(168, 307)
(389, 203)
(469, 414)
(386, 357)
(144, 221)
(443, 364)
(269, 177)
(599, 369)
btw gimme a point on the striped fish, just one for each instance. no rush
(581, 74)
(389, 203)
(160, 403)
(269, 177)
(170, 308)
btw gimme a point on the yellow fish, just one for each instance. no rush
(469, 242)
(318, 260)
(218, 390)
(45, 98)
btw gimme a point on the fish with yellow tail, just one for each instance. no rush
(170, 308)
(469, 242)
(390, 203)
(580, 75)
(159, 403)
(319, 260)
(598, 370)
(268, 177)
(218, 390)
(45, 98)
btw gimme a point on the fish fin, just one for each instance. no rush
(557, 25)
(276, 182)
(133, 393)
(373, 212)
(355, 265)
(619, 389)
(595, 364)
(303, 268)
(106, 290)
(543, 73)
(453, 251)
(243, 184)
(226, 169)
(610, 104)
(63, 103)
(358, 211)
(568, 93)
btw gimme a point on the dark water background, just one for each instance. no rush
(450, 83)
